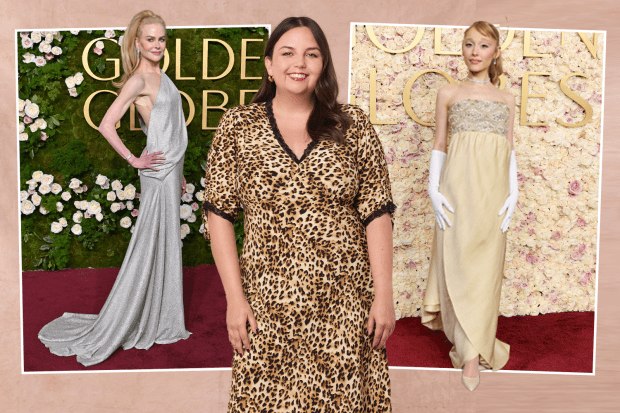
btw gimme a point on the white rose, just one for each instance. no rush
(66, 196)
(58, 36)
(47, 179)
(200, 196)
(59, 206)
(27, 207)
(192, 218)
(75, 183)
(190, 188)
(187, 197)
(94, 208)
(120, 195)
(36, 199)
(41, 123)
(202, 182)
(76, 204)
(56, 51)
(36, 36)
(40, 61)
(109, 33)
(28, 58)
(56, 188)
(129, 205)
(32, 110)
(27, 43)
(184, 230)
(101, 180)
(33, 127)
(125, 222)
(20, 107)
(116, 185)
(37, 175)
(78, 78)
(74, 32)
(43, 211)
(73, 92)
(70, 82)
(56, 227)
(23, 136)
(130, 192)
(23, 195)
(32, 184)
(77, 217)
(63, 221)
(186, 211)
(115, 207)
(45, 189)
(111, 196)
(202, 228)
(84, 205)
(99, 217)
(100, 45)
(76, 229)
(45, 47)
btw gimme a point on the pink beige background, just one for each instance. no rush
(412, 390)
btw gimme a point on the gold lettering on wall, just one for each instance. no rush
(373, 100)
(578, 99)
(527, 42)
(525, 94)
(205, 59)
(117, 68)
(509, 37)
(245, 57)
(206, 107)
(177, 66)
(87, 108)
(192, 108)
(407, 93)
(591, 45)
(438, 45)
(242, 94)
(375, 41)
(132, 118)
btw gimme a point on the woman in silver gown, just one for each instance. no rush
(145, 305)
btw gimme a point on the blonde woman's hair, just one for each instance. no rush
(490, 31)
(129, 52)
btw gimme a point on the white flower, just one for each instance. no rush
(100, 45)
(109, 34)
(101, 180)
(73, 92)
(115, 207)
(56, 227)
(190, 188)
(78, 78)
(33, 127)
(49, 37)
(27, 43)
(94, 208)
(40, 61)
(27, 207)
(186, 211)
(43, 211)
(45, 189)
(56, 188)
(59, 206)
(28, 58)
(32, 183)
(37, 175)
(202, 228)
(192, 218)
(66, 196)
(22, 127)
(125, 222)
(76, 204)
(23, 195)
(58, 36)
(84, 205)
(75, 183)
(41, 123)
(74, 32)
(47, 179)
(187, 197)
(200, 196)
(63, 221)
(36, 199)
(76, 229)
(202, 182)
(111, 196)
(23, 136)
(20, 107)
(99, 217)
(184, 230)
(120, 195)
(77, 217)
(45, 47)
(129, 205)
(70, 82)
(116, 185)
(130, 191)
(32, 110)
(56, 51)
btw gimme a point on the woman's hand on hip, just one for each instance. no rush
(147, 160)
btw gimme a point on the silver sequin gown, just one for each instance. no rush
(145, 305)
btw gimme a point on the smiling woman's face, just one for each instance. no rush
(479, 51)
(297, 62)
(152, 42)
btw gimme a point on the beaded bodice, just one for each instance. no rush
(478, 116)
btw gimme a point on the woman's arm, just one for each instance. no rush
(441, 117)
(510, 100)
(238, 311)
(382, 317)
(119, 107)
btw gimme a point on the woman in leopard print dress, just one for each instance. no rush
(306, 318)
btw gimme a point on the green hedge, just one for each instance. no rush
(73, 149)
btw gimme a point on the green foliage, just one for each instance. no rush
(73, 149)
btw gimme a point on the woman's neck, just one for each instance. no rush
(291, 103)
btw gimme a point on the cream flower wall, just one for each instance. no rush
(552, 242)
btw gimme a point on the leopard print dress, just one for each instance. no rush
(304, 267)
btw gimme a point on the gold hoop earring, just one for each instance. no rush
(270, 78)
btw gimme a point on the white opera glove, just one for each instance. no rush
(438, 200)
(511, 201)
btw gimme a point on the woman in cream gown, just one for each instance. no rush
(475, 180)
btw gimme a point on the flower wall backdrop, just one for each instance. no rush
(78, 199)
(552, 242)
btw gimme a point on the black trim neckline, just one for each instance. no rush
(278, 135)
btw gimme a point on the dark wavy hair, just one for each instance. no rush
(327, 121)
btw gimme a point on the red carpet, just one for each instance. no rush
(561, 342)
